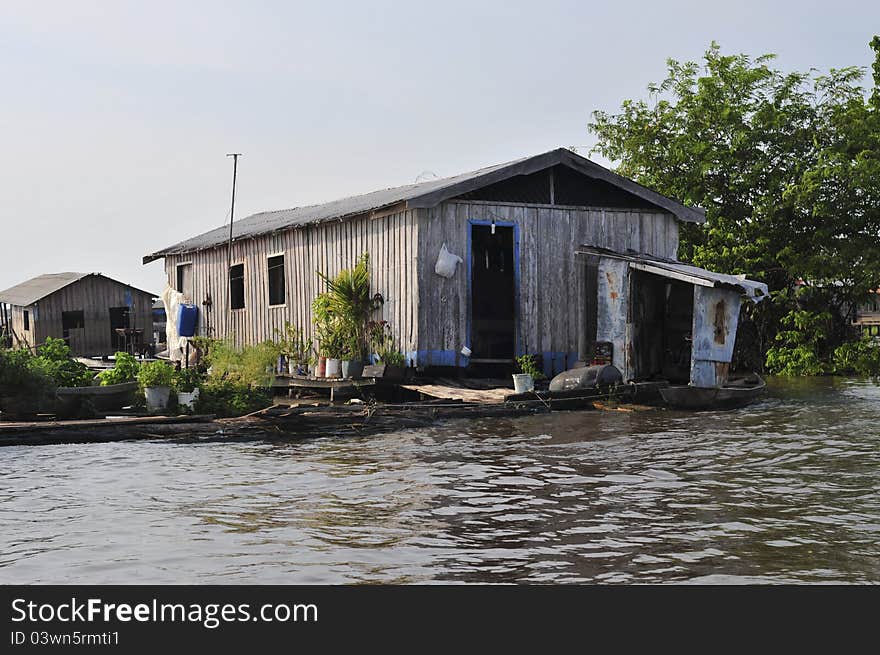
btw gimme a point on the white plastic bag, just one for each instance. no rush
(446, 263)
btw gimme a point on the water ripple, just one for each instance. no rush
(784, 492)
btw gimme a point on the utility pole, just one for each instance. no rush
(235, 156)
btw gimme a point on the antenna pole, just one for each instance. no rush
(235, 156)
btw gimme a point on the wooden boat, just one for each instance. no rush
(736, 393)
(102, 398)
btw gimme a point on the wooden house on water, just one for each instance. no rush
(95, 314)
(514, 226)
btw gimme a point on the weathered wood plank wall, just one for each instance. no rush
(548, 236)
(390, 240)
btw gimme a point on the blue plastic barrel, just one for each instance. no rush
(187, 320)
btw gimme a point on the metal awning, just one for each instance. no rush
(754, 291)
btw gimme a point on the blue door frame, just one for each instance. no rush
(470, 279)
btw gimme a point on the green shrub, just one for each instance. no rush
(251, 365)
(231, 398)
(156, 374)
(54, 359)
(797, 351)
(860, 357)
(125, 370)
(19, 375)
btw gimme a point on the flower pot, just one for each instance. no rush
(321, 371)
(523, 382)
(188, 398)
(352, 368)
(334, 367)
(157, 397)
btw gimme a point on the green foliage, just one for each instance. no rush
(293, 343)
(156, 374)
(253, 365)
(19, 376)
(230, 398)
(861, 357)
(383, 344)
(528, 364)
(342, 312)
(798, 348)
(125, 370)
(187, 379)
(786, 165)
(54, 359)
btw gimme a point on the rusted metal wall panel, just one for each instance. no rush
(612, 322)
(716, 315)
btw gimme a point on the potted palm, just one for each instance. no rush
(156, 378)
(348, 305)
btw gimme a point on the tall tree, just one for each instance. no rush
(785, 165)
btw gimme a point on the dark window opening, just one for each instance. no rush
(184, 280)
(27, 320)
(72, 321)
(276, 280)
(493, 294)
(236, 286)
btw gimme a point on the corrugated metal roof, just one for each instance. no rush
(37, 288)
(423, 194)
(756, 291)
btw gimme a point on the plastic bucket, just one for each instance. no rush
(187, 398)
(334, 368)
(523, 382)
(157, 397)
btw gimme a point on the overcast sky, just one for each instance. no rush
(116, 116)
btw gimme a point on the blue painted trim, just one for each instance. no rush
(440, 358)
(555, 362)
(517, 349)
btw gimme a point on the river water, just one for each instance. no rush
(787, 490)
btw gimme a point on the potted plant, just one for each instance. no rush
(352, 358)
(524, 381)
(390, 362)
(334, 345)
(156, 378)
(297, 349)
(187, 382)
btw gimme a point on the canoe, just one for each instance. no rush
(102, 398)
(735, 394)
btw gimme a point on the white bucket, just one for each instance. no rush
(523, 382)
(157, 397)
(187, 398)
(334, 368)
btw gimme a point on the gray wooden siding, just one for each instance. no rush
(548, 237)
(390, 240)
(94, 296)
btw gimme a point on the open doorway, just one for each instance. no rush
(119, 319)
(493, 293)
(662, 313)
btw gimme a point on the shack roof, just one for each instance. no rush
(37, 288)
(755, 291)
(424, 194)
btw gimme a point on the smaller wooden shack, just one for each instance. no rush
(95, 314)
(662, 318)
